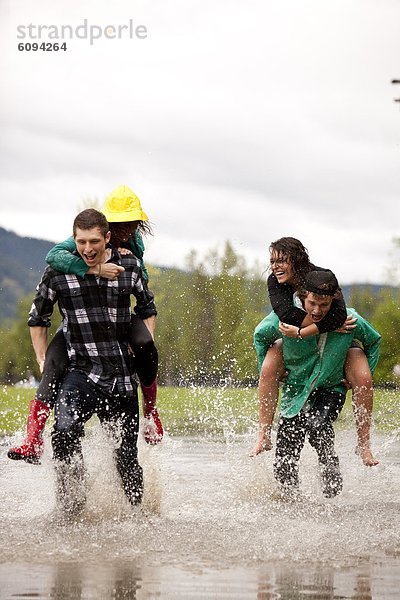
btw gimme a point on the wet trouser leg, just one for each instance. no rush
(146, 355)
(55, 366)
(120, 418)
(289, 444)
(324, 411)
(77, 401)
(75, 404)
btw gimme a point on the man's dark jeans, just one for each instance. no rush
(316, 423)
(77, 401)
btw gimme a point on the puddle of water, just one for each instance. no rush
(211, 526)
(122, 580)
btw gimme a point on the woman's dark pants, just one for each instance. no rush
(56, 363)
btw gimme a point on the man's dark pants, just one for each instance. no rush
(78, 399)
(316, 423)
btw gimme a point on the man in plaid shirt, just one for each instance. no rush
(96, 315)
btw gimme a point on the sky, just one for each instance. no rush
(231, 120)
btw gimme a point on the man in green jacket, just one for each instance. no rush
(313, 392)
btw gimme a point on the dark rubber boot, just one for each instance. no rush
(31, 449)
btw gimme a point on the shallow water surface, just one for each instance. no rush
(212, 525)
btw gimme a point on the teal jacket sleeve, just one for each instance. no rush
(265, 334)
(61, 258)
(137, 247)
(370, 339)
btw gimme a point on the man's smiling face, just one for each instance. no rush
(91, 245)
(317, 306)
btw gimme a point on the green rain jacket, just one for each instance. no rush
(315, 362)
(60, 257)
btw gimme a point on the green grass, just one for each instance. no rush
(13, 408)
(224, 410)
(207, 411)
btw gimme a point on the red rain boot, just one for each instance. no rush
(31, 448)
(153, 430)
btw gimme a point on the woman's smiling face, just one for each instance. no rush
(281, 267)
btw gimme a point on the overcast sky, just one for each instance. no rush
(241, 120)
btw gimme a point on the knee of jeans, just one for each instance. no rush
(315, 422)
(67, 430)
(65, 443)
(67, 420)
(314, 435)
(318, 426)
(285, 467)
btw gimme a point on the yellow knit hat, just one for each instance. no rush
(123, 205)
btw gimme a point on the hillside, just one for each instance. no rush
(22, 262)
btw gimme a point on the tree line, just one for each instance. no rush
(206, 317)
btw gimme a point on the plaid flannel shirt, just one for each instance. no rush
(96, 315)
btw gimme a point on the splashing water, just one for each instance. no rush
(209, 512)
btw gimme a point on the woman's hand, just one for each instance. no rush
(108, 270)
(290, 331)
(348, 325)
(124, 251)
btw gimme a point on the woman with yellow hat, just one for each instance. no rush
(127, 222)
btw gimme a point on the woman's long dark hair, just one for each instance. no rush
(291, 249)
(119, 231)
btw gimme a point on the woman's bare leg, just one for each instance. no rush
(358, 374)
(272, 371)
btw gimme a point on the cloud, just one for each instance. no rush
(241, 121)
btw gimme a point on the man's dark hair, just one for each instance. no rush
(320, 283)
(292, 250)
(90, 218)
